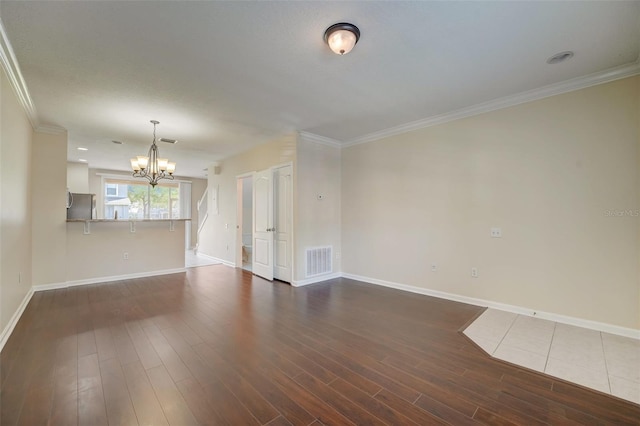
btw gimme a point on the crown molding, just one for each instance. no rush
(322, 140)
(505, 102)
(50, 130)
(12, 69)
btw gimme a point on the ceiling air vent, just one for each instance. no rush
(168, 140)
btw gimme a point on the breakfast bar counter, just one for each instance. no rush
(109, 249)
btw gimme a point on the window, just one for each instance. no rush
(112, 189)
(126, 200)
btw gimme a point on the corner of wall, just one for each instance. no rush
(638, 183)
(16, 138)
(49, 236)
(318, 202)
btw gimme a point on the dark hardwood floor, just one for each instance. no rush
(218, 346)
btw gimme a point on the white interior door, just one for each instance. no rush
(263, 224)
(282, 183)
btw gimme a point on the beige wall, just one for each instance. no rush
(100, 254)
(49, 214)
(78, 177)
(317, 221)
(218, 238)
(15, 202)
(546, 172)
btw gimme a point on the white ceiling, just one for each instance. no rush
(224, 76)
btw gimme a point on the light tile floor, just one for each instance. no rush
(601, 361)
(192, 260)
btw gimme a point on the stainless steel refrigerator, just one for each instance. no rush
(83, 206)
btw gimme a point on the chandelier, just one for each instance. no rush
(151, 167)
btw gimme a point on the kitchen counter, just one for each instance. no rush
(132, 223)
(126, 220)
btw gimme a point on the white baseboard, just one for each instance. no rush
(217, 259)
(318, 279)
(14, 319)
(579, 322)
(111, 278)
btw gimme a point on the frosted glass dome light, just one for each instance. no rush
(342, 37)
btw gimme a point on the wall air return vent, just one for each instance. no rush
(319, 261)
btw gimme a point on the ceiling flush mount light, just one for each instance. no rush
(342, 37)
(151, 167)
(560, 57)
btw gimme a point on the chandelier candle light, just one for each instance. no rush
(151, 167)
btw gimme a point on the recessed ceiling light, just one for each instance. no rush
(82, 160)
(560, 57)
(80, 148)
(117, 142)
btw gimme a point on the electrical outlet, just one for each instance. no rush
(125, 255)
(434, 267)
(474, 272)
(496, 233)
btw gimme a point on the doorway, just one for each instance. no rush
(244, 241)
(272, 239)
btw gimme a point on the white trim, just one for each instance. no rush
(6, 333)
(505, 102)
(579, 322)
(52, 130)
(12, 69)
(111, 278)
(245, 175)
(217, 259)
(322, 140)
(316, 279)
